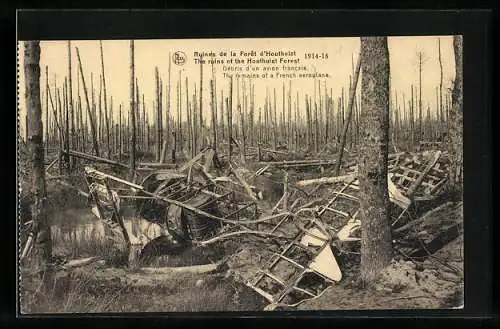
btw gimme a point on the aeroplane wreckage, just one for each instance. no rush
(201, 204)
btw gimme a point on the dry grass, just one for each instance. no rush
(86, 243)
(86, 292)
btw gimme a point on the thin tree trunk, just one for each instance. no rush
(440, 105)
(67, 128)
(221, 119)
(214, 107)
(201, 99)
(214, 114)
(420, 63)
(138, 116)
(193, 126)
(160, 113)
(169, 97)
(376, 245)
(308, 123)
(46, 110)
(412, 119)
(132, 113)
(70, 95)
(242, 141)
(195, 123)
(105, 101)
(230, 117)
(275, 122)
(91, 119)
(352, 99)
(157, 93)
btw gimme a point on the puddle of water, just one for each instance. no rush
(79, 225)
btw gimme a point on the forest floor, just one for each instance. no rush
(433, 282)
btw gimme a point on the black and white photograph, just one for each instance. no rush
(240, 174)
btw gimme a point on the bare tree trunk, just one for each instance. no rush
(440, 82)
(275, 122)
(160, 113)
(316, 127)
(169, 94)
(105, 101)
(214, 113)
(252, 114)
(230, 117)
(178, 135)
(376, 247)
(158, 141)
(120, 135)
(412, 119)
(242, 141)
(46, 110)
(420, 57)
(221, 119)
(70, 95)
(132, 113)
(41, 228)
(137, 104)
(456, 119)
(67, 129)
(213, 88)
(201, 99)
(193, 126)
(349, 115)
(91, 118)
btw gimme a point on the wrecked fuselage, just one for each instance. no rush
(198, 205)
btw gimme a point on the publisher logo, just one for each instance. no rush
(179, 58)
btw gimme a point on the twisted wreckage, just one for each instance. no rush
(202, 203)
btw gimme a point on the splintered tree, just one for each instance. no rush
(456, 119)
(376, 248)
(41, 228)
(421, 59)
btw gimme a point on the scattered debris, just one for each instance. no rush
(201, 203)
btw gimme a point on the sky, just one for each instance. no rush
(341, 53)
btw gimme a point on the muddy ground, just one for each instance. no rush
(430, 282)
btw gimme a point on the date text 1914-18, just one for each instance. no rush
(316, 55)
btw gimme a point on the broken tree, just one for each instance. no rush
(40, 228)
(456, 119)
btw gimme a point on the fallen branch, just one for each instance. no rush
(157, 165)
(191, 162)
(295, 203)
(269, 150)
(261, 170)
(196, 269)
(94, 158)
(326, 180)
(295, 162)
(228, 235)
(275, 208)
